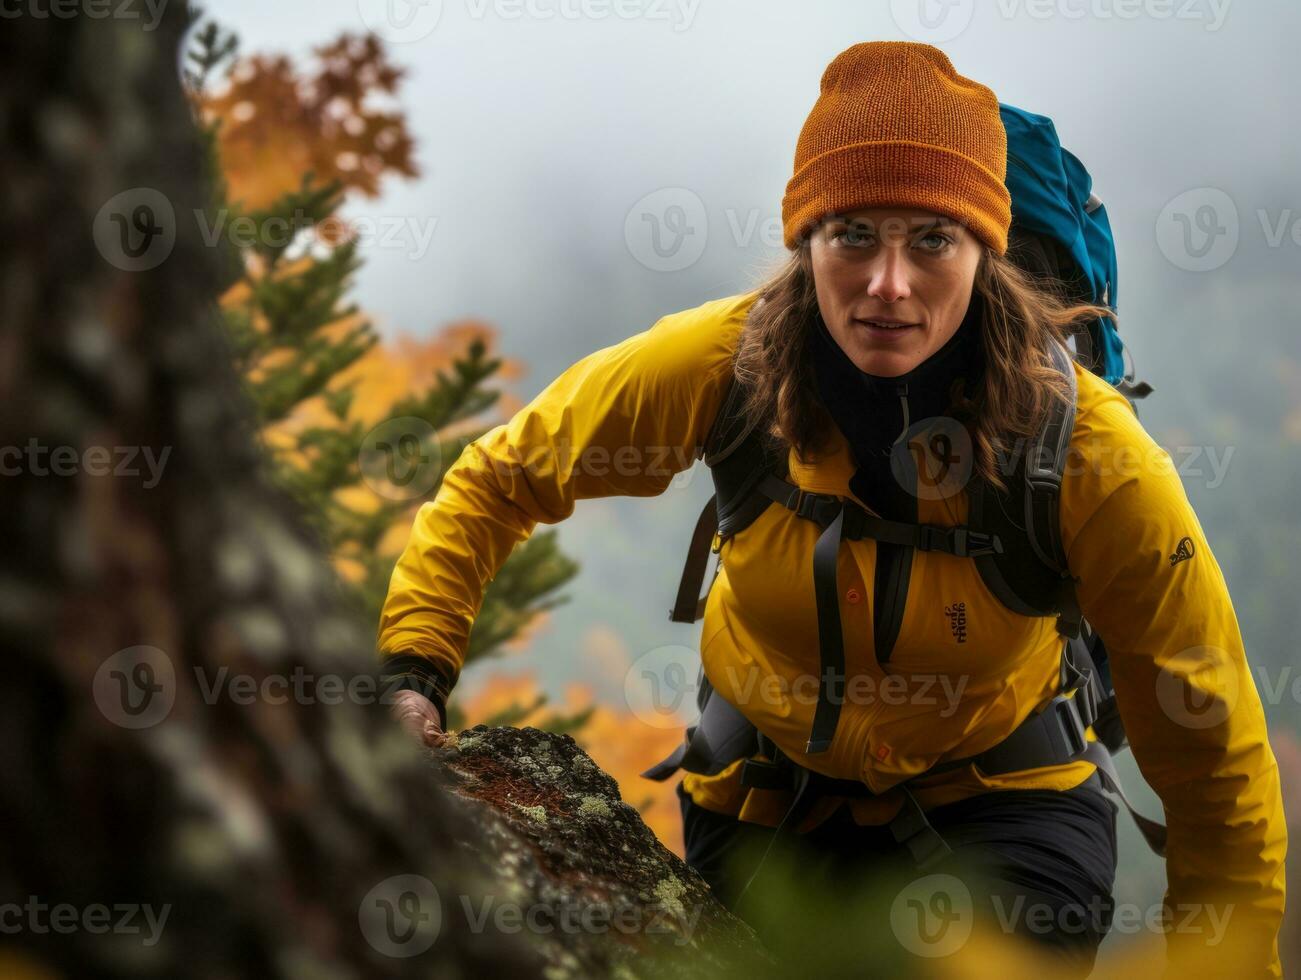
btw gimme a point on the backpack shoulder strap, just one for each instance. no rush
(738, 456)
(730, 427)
(1026, 518)
(1044, 468)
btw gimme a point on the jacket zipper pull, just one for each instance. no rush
(901, 390)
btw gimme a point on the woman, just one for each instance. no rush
(898, 310)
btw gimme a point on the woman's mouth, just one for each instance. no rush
(888, 331)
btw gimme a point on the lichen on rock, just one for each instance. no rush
(560, 831)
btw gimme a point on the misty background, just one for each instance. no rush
(547, 133)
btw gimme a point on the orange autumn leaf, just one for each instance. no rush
(278, 123)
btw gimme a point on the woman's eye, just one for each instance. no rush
(938, 241)
(851, 236)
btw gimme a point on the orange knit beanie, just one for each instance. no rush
(896, 126)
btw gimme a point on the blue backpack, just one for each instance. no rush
(1060, 230)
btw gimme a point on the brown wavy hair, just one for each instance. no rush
(1021, 313)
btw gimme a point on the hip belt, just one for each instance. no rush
(1052, 736)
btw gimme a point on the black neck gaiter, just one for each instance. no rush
(873, 412)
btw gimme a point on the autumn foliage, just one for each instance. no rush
(282, 132)
(278, 122)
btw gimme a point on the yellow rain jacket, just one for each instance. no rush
(626, 419)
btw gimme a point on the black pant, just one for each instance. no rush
(1034, 863)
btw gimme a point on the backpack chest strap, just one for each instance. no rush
(823, 509)
(841, 519)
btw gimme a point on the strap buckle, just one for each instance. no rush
(1085, 686)
(1070, 725)
(805, 502)
(760, 774)
(911, 828)
(1081, 678)
(960, 541)
(757, 774)
(1089, 704)
(819, 508)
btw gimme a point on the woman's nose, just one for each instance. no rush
(888, 274)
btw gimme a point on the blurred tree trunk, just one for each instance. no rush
(256, 828)
(286, 827)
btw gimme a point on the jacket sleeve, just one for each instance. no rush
(1151, 587)
(620, 422)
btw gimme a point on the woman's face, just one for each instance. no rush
(909, 266)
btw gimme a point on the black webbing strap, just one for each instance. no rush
(831, 644)
(690, 604)
(1049, 737)
(911, 828)
(1045, 463)
(719, 738)
(908, 826)
(841, 519)
(1056, 735)
(1052, 736)
(779, 773)
(822, 509)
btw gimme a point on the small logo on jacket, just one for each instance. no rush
(957, 613)
(1183, 552)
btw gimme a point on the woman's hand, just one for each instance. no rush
(419, 717)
